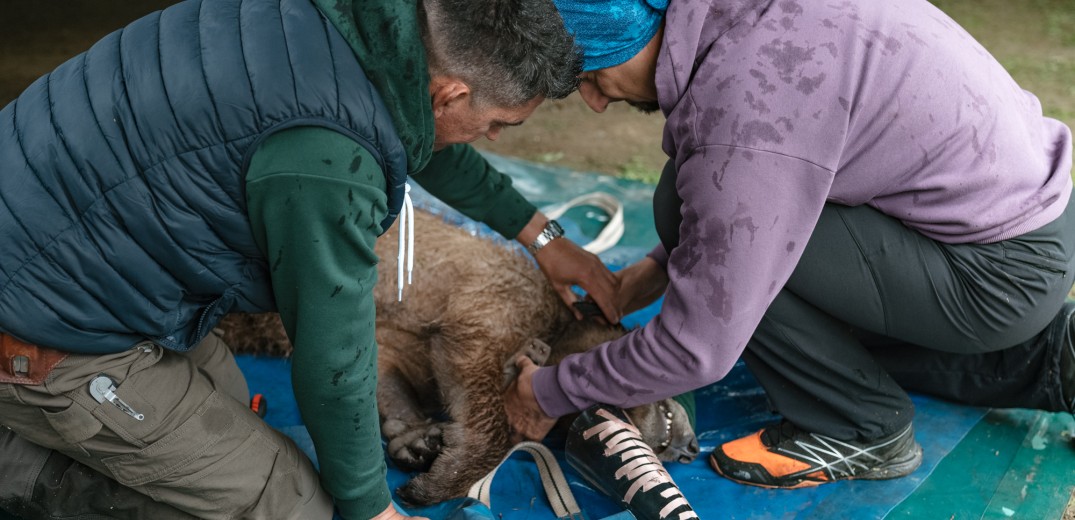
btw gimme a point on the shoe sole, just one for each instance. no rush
(896, 469)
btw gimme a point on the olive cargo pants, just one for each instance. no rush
(197, 446)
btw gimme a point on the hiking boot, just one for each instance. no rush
(783, 456)
(607, 450)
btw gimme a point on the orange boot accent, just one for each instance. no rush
(750, 449)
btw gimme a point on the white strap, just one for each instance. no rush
(613, 230)
(406, 232)
(557, 490)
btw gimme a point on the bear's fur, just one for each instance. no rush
(445, 355)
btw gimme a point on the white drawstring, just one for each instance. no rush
(406, 227)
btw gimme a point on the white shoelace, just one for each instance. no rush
(640, 465)
(834, 450)
(406, 229)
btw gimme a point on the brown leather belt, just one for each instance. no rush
(25, 364)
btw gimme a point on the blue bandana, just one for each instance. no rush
(610, 32)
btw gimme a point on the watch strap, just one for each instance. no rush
(551, 232)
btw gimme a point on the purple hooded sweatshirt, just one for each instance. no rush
(775, 107)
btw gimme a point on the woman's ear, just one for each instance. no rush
(444, 91)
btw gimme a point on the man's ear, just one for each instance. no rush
(445, 91)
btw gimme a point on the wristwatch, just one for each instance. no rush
(552, 231)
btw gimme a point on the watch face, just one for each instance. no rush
(555, 227)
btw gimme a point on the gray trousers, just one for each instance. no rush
(875, 308)
(198, 451)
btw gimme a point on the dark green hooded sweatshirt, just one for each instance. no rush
(324, 266)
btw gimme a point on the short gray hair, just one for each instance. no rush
(507, 51)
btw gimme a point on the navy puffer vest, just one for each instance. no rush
(122, 207)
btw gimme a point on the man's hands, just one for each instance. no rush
(640, 284)
(525, 416)
(564, 263)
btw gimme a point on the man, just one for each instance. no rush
(859, 200)
(240, 155)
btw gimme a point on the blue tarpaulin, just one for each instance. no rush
(736, 406)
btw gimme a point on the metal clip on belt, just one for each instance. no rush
(102, 388)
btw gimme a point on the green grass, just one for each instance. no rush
(636, 169)
(1033, 39)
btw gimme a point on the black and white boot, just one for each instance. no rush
(608, 451)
